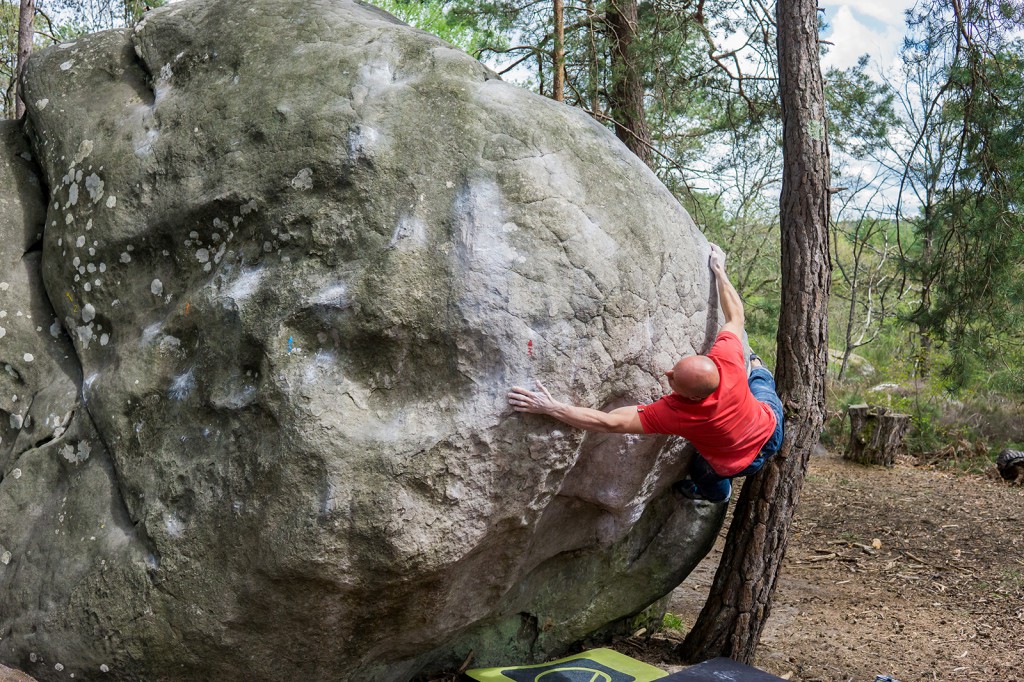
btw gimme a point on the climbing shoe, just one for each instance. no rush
(687, 489)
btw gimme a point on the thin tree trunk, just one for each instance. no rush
(540, 72)
(558, 87)
(595, 101)
(846, 362)
(26, 32)
(923, 331)
(851, 312)
(732, 620)
(626, 99)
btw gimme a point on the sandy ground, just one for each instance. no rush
(939, 596)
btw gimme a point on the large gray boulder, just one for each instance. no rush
(294, 255)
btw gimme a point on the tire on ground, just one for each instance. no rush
(1011, 465)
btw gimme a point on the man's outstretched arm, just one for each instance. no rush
(728, 298)
(621, 420)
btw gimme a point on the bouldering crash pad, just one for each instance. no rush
(721, 670)
(590, 666)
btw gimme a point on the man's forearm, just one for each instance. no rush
(619, 420)
(583, 417)
(728, 298)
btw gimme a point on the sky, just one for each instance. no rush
(861, 26)
(856, 27)
(875, 27)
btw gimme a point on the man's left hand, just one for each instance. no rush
(717, 259)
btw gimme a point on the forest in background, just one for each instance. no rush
(57, 21)
(927, 232)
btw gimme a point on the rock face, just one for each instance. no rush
(294, 254)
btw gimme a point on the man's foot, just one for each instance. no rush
(755, 360)
(687, 489)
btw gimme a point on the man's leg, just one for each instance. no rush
(703, 483)
(762, 385)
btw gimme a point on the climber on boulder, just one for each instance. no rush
(733, 418)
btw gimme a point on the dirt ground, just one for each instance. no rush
(939, 596)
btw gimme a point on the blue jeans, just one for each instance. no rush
(715, 488)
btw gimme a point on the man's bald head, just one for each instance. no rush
(695, 377)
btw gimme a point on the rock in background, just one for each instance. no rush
(297, 252)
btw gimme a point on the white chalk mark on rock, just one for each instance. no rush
(182, 385)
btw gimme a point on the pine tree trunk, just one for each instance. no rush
(732, 620)
(26, 32)
(626, 99)
(558, 87)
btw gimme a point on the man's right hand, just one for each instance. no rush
(717, 259)
(536, 402)
(622, 420)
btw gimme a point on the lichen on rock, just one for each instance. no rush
(298, 252)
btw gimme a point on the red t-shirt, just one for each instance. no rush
(730, 426)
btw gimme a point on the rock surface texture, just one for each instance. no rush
(268, 271)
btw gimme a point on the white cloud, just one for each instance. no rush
(888, 12)
(852, 38)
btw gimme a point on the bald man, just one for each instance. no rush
(732, 418)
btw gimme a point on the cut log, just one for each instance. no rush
(877, 435)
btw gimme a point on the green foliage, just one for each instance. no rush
(693, 104)
(951, 339)
(965, 427)
(750, 238)
(58, 21)
(672, 622)
(930, 293)
(965, 246)
(433, 17)
(860, 112)
(8, 54)
(76, 17)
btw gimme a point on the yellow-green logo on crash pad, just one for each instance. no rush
(598, 665)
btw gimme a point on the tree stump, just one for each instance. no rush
(876, 435)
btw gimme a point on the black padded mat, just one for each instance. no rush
(721, 670)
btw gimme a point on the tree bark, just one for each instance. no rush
(26, 32)
(595, 71)
(558, 87)
(733, 618)
(876, 435)
(626, 99)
